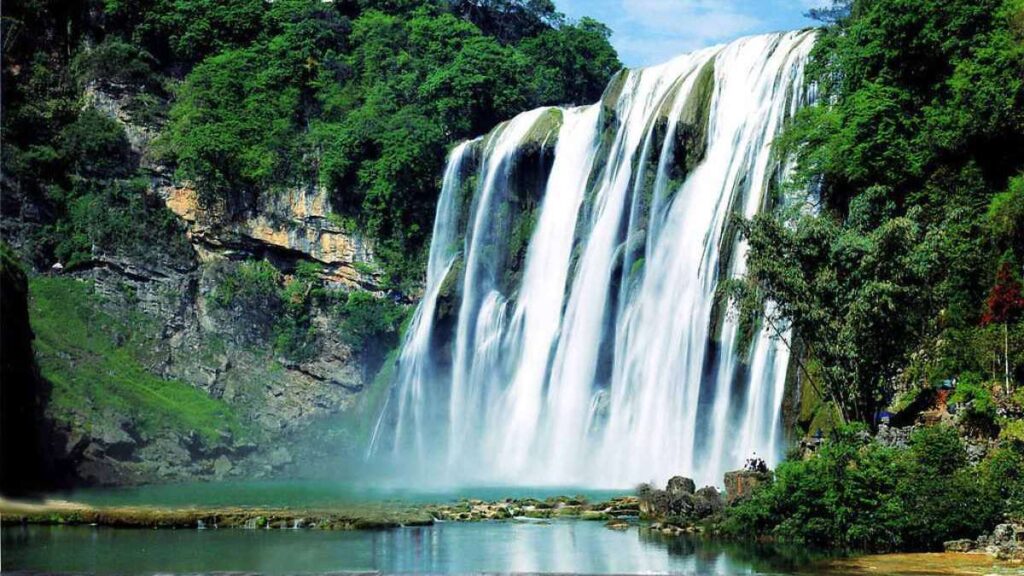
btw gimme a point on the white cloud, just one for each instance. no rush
(653, 31)
(655, 28)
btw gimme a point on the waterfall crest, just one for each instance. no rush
(571, 331)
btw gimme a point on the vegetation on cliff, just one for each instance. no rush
(96, 364)
(915, 150)
(370, 325)
(902, 280)
(363, 97)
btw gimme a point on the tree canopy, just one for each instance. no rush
(915, 150)
(363, 97)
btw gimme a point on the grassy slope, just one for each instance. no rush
(93, 362)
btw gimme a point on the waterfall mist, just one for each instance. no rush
(571, 330)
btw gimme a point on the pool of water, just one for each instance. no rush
(447, 548)
(307, 493)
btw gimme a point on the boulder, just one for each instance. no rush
(707, 502)
(676, 500)
(739, 484)
(680, 485)
(1006, 535)
(680, 505)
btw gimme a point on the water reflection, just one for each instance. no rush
(563, 547)
(759, 557)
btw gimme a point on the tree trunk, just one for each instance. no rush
(1006, 356)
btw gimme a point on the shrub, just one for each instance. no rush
(976, 408)
(118, 217)
(857, 494)
(294, 334)
(114, 62)
(942, 498)
(252, 283)
(1003, 476)
(368, 320)
(95, 146)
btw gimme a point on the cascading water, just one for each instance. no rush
(571, 330)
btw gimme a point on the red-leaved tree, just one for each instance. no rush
(1004, 305)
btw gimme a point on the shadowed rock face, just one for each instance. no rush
(707, 502)
(23, 393)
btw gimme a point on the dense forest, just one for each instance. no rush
(362, 97)
(904, 276)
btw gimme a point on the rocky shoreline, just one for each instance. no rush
(1006, 542)
(363, 516)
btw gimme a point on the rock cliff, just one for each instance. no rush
(156, 318)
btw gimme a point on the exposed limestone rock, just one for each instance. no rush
(297, 220)
(1006, 542)
(739, 484)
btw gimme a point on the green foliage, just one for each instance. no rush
(854, 493)
(368, 323)
(120, 217)
(115, 64)
(914, 142)
(976, 406)
(379, 97)
(942, 498)
(1006, 215)
(294, 334)
(252, 284)
(851, 296)
(575, 62)
(95, 364)
(371, 321)
(364, 97)
(1004, 474)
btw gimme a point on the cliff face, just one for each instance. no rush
(158, 376)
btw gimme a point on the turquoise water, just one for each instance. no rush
(306, 493)
(560, 546)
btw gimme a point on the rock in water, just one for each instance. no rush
(707, 502)
(680, 485)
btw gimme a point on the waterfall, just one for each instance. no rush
(572, 330)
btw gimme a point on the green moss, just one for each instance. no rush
(637, 267)
(613, 92)
(697, 110)
(816, 413)
(365, 268)
(545, 129)
(93, 363)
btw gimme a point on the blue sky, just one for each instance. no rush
(653, 31)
